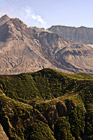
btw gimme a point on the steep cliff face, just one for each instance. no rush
(73, 34)
(24, 49)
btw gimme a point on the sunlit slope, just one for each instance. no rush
(45, 84)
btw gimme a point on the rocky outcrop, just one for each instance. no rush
(61, 108)
(70, 105)
(73, 34)
(4, 19)
(52, 115)
(3, 135)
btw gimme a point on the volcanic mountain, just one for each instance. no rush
(28, 49)
(74, 34)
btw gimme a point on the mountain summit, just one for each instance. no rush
(28, 49)
(4, 19)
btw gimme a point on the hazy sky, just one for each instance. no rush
(45, 13)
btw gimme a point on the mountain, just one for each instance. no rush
(4, 19)
(46, 105)
(80, 34)
(28, 49)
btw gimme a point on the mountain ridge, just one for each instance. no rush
(27, 49)
(80, 34)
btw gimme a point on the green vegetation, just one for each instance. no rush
(45, 84)
(47, 105)
(40, 131)
(62, 129)
(81, 76)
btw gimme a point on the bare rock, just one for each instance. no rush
(3, 135)
(24, 49)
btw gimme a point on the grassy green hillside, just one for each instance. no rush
(47, 105)
(45, 84)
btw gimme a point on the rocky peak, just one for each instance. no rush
(18, 23)
(48, 49)
(4, 19)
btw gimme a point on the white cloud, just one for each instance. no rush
(31, 14)
(28, 11)
(26, 14)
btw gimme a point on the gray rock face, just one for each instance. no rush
(4, 19)
(80, 34)
(24, 49)
(3, 135)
